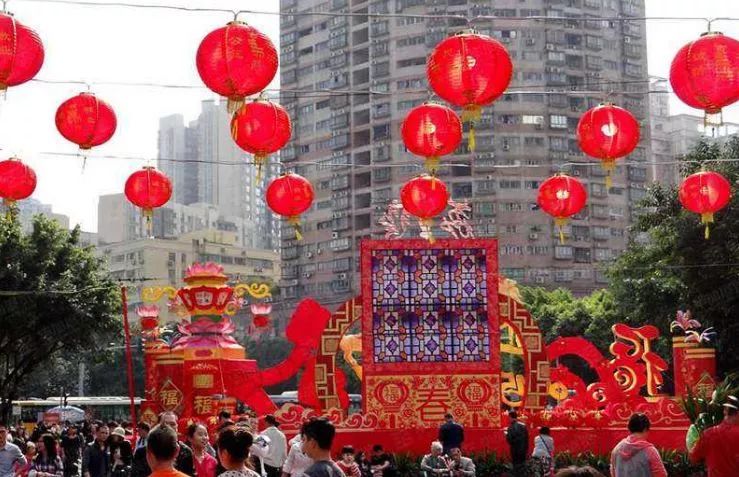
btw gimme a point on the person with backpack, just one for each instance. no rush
(543, 454)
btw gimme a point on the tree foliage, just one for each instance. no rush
(55, 296)
(668, 266)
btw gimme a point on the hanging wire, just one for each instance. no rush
(469, 21)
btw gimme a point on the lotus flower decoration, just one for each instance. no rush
(684, 321)
(149, 316)
(199, 270)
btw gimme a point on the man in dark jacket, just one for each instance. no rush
(451, 434)
(96, 458)
(518, 439)
(184, 463)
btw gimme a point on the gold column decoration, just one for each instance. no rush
(255, 290)
(152, 294)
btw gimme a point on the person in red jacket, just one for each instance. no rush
(718, 446)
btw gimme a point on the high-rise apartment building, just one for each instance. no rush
(207, 167)
(675, 135)
(349, 145)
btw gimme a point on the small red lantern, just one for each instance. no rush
(424, 197)
(705, 74)
(260, 313)
(705, 193)
(608, 132)
(86, 120)
(562, 196)
(148, 189)
(236, 61)
(261, 128)
(17, 181)
(469, 70)
(148, 316)
(431, 130)
(289, 196)
(21, 52)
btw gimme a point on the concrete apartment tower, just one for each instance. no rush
(337, 136)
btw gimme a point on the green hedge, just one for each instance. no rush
(492, 464)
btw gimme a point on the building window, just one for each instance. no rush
(557, 121)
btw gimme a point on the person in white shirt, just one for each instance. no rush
(297, 461)
(277, 455)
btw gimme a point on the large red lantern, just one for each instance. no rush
(148, 189)
(17, 181)
(424, 197)
(705, 193)
(608, 132)
(21, 52)
(562, 196)
(469, 70)
(431, 130)
(236, 61)
(289, 196)
(86, 120)
(261, 128)
(705, 74)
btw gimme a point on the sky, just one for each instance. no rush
(99, 44)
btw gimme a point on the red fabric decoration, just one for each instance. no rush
(289, 196)
(469, 70)
(431, 130)
(260, 321)
(86, 120)
(705, 74)
(561, 197)
(21, 52)
(236, 61)
(17, 180)
(608, 132)
(261, 128)
(705, 193)
(149, 322)
(148, 188)
(424, 197)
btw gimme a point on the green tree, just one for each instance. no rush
(677, 268)
(55, 295)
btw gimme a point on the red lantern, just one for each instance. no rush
(260, 313)
(21, 52)
(17, 181)
(261, 128)
(431, 130)
(148, 189)
(562, 197)
(705, 74)
(705, 193)
(236, 61)
(469, 70)
(289, 196)
(86, 120)
(608, 132)
(424, 197)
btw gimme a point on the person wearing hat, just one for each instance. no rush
(275, 458)
(718, 446)
(121, 455)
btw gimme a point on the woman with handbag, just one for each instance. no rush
(543, 454)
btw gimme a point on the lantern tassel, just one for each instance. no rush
(560, 222)
(432, 164)
(426, 231)
(11, 211)
(148, 213)
(472, 144)
(707, 219)
(295, 222)
(609, 165)
(471, 114)
(234, 104)
(259, 160)
(713, 119)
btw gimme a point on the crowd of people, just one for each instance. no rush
(99, 449)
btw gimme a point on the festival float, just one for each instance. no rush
(439, 329)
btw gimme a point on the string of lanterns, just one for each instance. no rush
(469, 70)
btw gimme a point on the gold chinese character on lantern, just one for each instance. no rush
(203, 404)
